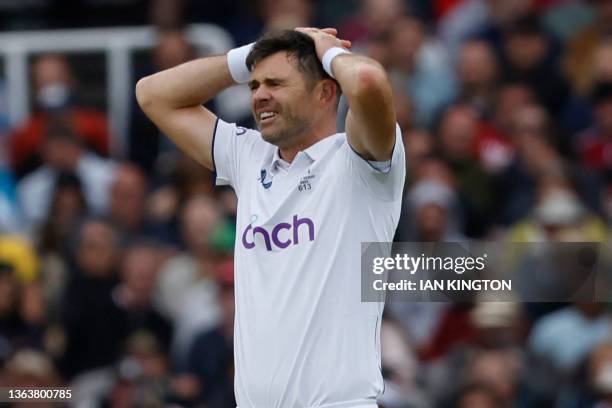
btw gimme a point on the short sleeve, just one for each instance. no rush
(232, 147)
(386, 184)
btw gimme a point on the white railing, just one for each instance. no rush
(118, 45)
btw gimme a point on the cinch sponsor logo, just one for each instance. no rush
(282, 234)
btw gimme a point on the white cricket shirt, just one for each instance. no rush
(303, 338)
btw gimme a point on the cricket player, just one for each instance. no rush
(307, 197)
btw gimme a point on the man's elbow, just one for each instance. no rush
(371, 80)
(143, 93)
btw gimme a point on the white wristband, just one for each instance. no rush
(329, 56)
(236, 61)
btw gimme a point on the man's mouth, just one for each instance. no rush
(267, 116)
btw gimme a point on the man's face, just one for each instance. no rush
(97, 250)
(282, 101)
(477, 64)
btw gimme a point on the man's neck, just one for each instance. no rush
(315, 135)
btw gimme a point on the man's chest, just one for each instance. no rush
(280, 209)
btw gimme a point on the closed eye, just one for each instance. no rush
(269, 82)
(274, 82)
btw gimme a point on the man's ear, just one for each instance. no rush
(328, 91)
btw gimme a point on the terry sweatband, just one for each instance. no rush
(329, 56)
(236, 61)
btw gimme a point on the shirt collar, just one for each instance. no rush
(314, 152)
(318, 150)
(277, 162)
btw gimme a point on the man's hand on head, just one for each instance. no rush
(370, 122)
(324, 39)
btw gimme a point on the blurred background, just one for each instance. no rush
(116, 274)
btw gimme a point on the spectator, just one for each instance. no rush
(30, 368)
(582, 326)
(55, 91)
(581, 50)
(477, 395)
(372, 19)
(602, 70)
(559, 215)
(566, 19)
(399, 366)
(134, 295)
(529, 56)
(537, 158)
(498, 369)
(100, 315)
(599, 363)
(579, 114)
(500, 15)
(420, 67)
(286, 14)
(34, 315)
(187, 292)
(142, 377)
(63, 152)
(23, 321)
(498, 324)
(419, 147)
(68, 206)
(456, 136)
(478, 76)
(210, 358)
(494, 144)
(127, 196)
(432, 210)
(92, 329)
(458, 20)
(594, 145)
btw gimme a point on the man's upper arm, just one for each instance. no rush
(370, 122)
(384, 180)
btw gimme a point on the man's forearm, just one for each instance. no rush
(188, 84)
(173, 100)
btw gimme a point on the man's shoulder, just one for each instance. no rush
(242, 134)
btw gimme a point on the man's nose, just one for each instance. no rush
(261, 94)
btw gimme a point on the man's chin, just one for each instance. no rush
(270, 137)
(270, 133)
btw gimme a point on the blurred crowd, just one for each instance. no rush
(116, 274)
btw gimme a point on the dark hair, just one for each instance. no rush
(297, 45)
(527, 25)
